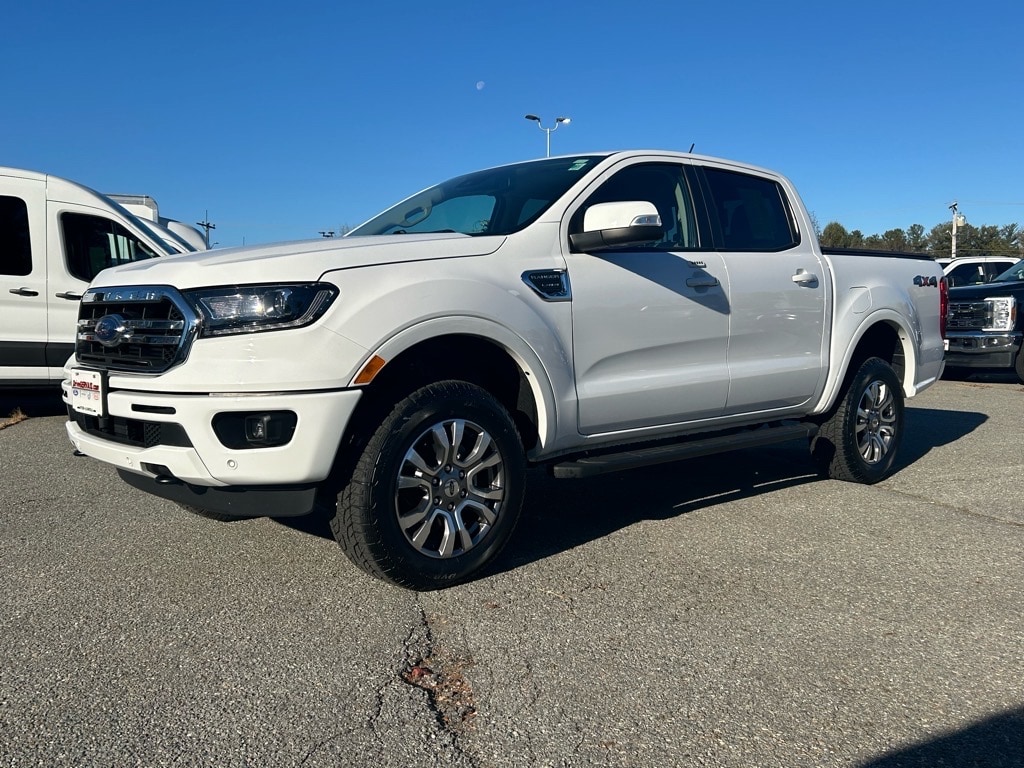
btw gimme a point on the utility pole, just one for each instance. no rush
(958, 220)
(207, 226)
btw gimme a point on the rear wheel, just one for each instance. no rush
(859, 440)
(437, 490)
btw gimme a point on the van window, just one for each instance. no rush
(93, 243)
(753, 214)
(15, 247)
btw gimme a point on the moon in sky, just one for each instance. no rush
(480, 85)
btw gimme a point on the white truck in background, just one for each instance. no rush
(55, 237)
(587, 313)
(975, 270)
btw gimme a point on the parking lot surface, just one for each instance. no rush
(736, 610)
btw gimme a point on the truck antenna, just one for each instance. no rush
(692, 146)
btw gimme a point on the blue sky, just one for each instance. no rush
(284, 119)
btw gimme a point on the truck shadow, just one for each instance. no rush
(996, 742)
(573, 512)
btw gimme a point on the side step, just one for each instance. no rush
(590, 466)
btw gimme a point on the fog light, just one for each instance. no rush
(239, 431)
(264, 429)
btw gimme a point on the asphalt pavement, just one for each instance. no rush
(736, 610)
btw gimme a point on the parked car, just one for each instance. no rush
(975, 270)
(985, 324)
(588, 313)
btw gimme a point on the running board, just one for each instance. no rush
(590, 466)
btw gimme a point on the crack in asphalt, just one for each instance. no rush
(960, 509)
(449, 694)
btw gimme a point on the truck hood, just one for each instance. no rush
(979, 292)
(300, 261)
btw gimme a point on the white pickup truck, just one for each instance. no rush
(587, 313)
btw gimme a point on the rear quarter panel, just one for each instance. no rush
(900, 290)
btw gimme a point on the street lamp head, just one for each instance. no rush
(548, 131)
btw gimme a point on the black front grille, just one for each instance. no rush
(969, 315)
(136, 432)
(145, 330)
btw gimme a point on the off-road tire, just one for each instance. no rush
(437, 489)
(859, 440)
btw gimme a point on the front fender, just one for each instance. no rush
(389, 311)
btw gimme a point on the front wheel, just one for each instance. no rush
(859, 439)
(437, 491)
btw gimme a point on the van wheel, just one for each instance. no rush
(437, 491)
(859, 439)
(1018, 366)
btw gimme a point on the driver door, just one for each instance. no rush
(650, 324)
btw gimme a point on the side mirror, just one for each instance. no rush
(618, 225)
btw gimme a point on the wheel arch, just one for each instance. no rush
(882, 335)
(467, 349)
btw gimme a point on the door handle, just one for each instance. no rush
(707, 281)
(804, 278)
(23, 292)
(69, 295)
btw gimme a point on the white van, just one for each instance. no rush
(176, 234)
(55, 237)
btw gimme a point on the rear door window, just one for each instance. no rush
(752, 212)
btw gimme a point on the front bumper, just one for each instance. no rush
(240, 501)
(980, 349)
(172, 436)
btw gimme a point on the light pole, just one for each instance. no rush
(558, 121)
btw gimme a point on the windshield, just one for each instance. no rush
(497, 201)
(1014, 274)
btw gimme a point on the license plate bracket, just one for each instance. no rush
(88, 392)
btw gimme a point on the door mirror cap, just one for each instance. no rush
(618, 225)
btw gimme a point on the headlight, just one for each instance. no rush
(1004, 313)
(254, 308)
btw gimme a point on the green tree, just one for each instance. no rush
(916, 239)
(895, 240)
(985, 240)
(834, 235)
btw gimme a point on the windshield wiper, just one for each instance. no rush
(422, 232)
